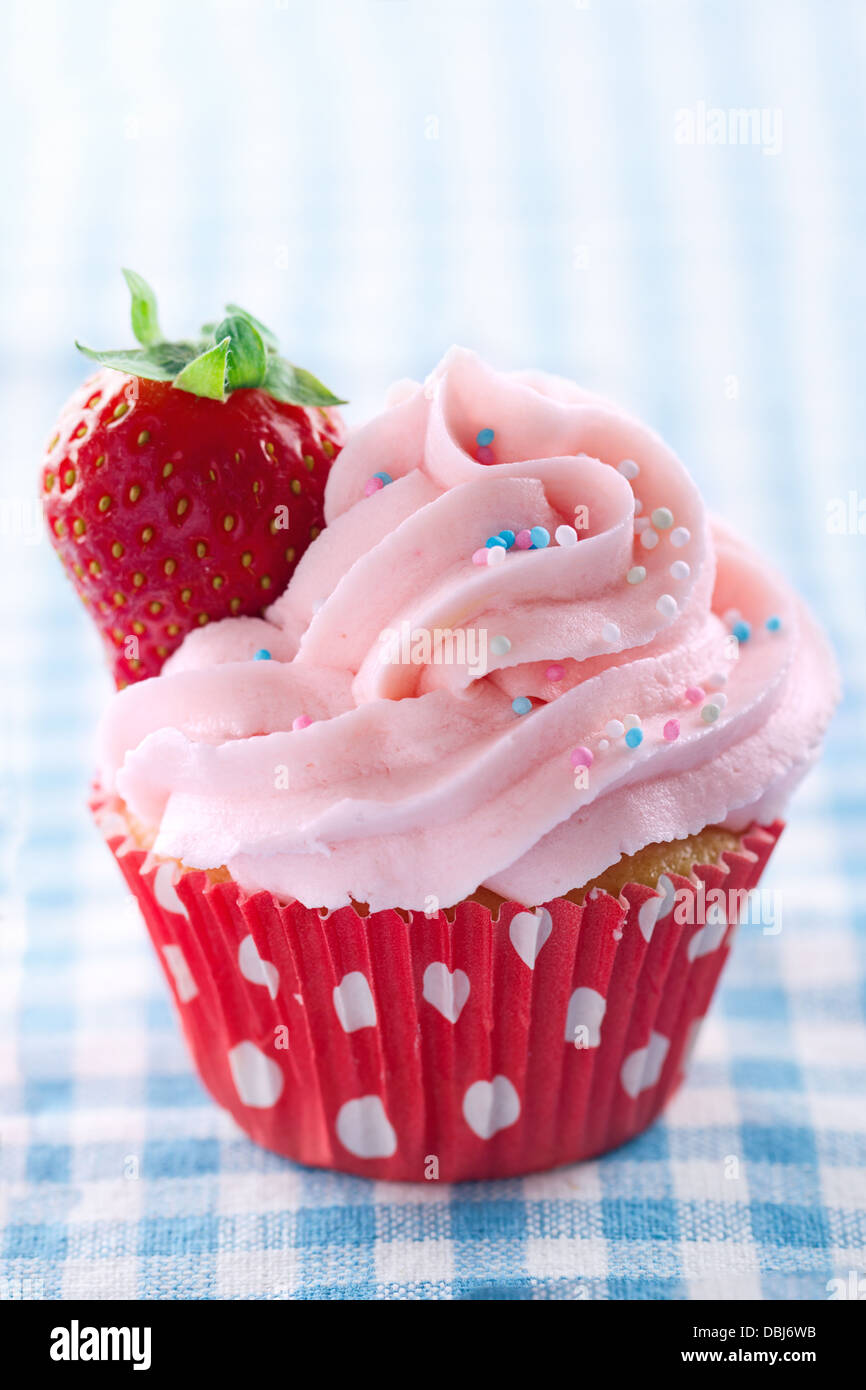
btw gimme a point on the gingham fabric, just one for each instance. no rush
(377, 179)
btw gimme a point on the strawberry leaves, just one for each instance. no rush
(235, 354)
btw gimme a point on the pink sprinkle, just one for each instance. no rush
(694, 695)
(671, 730)
(303, 721)
(555, 673)
(581, 757)
(523, 540)
(479, 557)
(485, 455)
(372, 485)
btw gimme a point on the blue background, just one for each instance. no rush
(378, 179)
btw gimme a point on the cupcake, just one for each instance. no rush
(443, 853)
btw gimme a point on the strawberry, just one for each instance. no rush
(185, 480)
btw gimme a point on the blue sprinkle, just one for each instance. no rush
(633, 738)
(540, 537)
(522, 705)
(742, 631)
(485, 438)
(508, 537)
(493, 541)
(773, 624)
(262, 655)
(386, 478)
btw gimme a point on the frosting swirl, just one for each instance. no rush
(418, 778)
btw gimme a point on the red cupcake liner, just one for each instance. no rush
(408, 1049)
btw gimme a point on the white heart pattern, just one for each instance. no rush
(164, 880)
(364, 1129)
(258, 1079)
(528, 932)
(184, 983)
(655, 908)
(257, 970)
(446, 990)
(354, 1003)
(489, 1106)
(586, 1009)
(643, 1067)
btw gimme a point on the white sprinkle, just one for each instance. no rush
(649, 540)
(720, 699)
(638, 505)
(628, 468)
(496, 555)
(710, 713)
(663, 518)
(565, 536)
(719, 678)
(680, 536)
(641, 524)
(500, 645)
(610, 633)
(680, 570)
(636, 575)
(603, 745)
(614, 728)
(632, 721)
(732, 616)
(667, 605)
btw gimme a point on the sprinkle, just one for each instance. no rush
(663, 518)
(680, 536)
(485, 455)
(718, 678)
(720, 699)
(710, 713)
(650, 539)
(638, 506)
(680, 570)
(522, 705)
(373, 485)
(303, 721)
(508, 537)
(642, 523)
(667, 605)
(671, 730)
(614, 728)
(479, 557)
(554, 673)
(610, 633)
(384, 477)
(262, 655)
(636, 575)
(633, 738)
(566, 536)
(540, 537)
(632, 721)
(496, 540)
(731, 616)
(496, 556)
(523, 540)
(485, 438)
(603, 745)
(628, 468)
(500, 645)
(773, 624)
(694, 695)
(581, 757)
(742, 631)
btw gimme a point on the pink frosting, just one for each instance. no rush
(416, 780)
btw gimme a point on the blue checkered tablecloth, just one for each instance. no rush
(378, 179)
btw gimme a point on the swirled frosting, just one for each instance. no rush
(410, 777)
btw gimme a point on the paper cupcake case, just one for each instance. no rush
(429, 1048)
